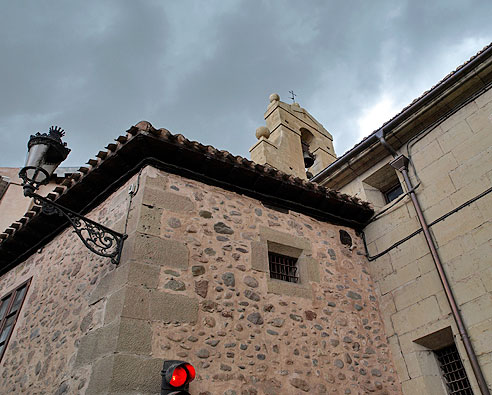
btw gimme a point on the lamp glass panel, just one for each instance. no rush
(37, 158)
(36, 155)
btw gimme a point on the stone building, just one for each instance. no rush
(256, 277)
(446, 135)
(358, 306)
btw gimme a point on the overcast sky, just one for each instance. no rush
(206, 68)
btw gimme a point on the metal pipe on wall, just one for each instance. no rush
(401, 164)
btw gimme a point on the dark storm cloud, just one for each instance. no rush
(205, 69)
(85, 68)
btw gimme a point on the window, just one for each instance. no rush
(10, 306)
(283, 267)
(393, 193)
(444, 362)
(382, 186)
(286, 261)
(453, 371)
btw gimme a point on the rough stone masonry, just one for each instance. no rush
(194, 284)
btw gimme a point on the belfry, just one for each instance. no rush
(292, 140)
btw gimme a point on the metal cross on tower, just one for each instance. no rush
(293, 96)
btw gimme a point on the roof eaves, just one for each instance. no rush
(483, 54)
(76, 184)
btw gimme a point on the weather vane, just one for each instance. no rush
(293, 96)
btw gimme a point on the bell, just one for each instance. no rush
(308, 159)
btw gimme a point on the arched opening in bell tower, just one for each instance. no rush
(306, 139)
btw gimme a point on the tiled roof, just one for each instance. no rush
(143, 144)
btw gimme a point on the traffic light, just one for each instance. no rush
(176, 377)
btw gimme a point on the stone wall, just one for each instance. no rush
(57, 312)
(193, 286)
(454, 164)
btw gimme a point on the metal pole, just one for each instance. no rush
(401, 163)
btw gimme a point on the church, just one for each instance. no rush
(294, 272)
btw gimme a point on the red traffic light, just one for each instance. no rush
(191, 371)
(176, 375)
(179, 377)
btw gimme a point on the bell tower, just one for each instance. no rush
(292, 140)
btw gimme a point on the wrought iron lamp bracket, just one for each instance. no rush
(98, 238)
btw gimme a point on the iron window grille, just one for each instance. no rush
(453, 371)
(10, 306)
(283, 267)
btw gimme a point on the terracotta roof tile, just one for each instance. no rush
(102, 154)
(355, 212)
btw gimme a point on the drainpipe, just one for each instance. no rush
(401, 164)
(380, 135)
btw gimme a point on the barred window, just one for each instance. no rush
(453, 371)
(10, 306)
(283, 267)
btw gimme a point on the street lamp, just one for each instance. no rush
(45, 152)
